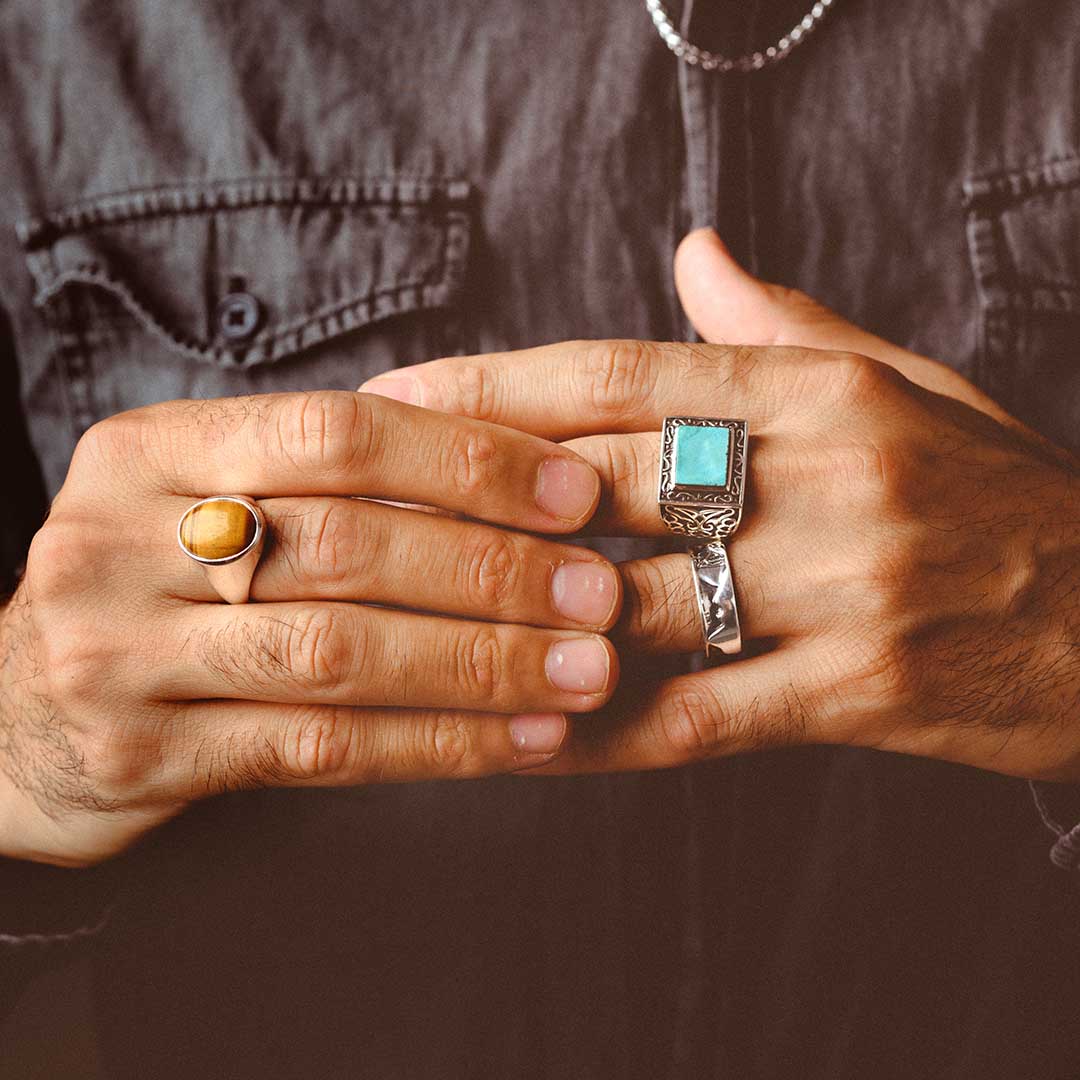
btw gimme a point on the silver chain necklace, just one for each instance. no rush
(755, 61)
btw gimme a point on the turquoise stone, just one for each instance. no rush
(702, 455)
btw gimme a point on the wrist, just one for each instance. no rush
(26, 831)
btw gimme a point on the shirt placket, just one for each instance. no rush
(718, 193)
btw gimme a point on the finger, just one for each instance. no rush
(778, 469)
(589, 387)
(770, 701)
(349, 549)
(629, 471)
(226, 745)
(336, 443)
(776, 598)
(780, 592)
(660, 611)
(727, 304)
(661, 614)
(349, 654)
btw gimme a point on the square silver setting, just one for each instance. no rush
(703, 511)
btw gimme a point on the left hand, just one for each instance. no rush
(908, 567)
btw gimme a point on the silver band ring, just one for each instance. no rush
(715, 590)
(702, 475)
(225, 534)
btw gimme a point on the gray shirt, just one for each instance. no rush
(201, 198)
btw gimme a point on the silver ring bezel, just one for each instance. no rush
(251, 508)
(703, 511)
(729, 494)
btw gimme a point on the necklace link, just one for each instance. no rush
(689, 53)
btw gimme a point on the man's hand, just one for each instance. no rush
(127, 690)
(908, 568)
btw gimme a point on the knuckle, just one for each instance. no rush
(492, 569)
(142, 446)
(129, 447)
(110, 439)
(318, 743)
(470, 463)
(447, 743)
(630, 471)
(97, 445)
(471, 392)
(859, 382)
(652, 614)
(314, 650)
(74, 662)
(480, 664)
(326, 430)
(324, 544)
(56, 564)
(617, 376)
(692, 724)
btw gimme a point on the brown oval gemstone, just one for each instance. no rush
(218, 529)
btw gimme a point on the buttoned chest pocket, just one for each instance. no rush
(1024, 240)
(244, 287)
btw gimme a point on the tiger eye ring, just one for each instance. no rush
(225, 534)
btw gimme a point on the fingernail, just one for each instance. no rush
(566, 488)
(396, 387)
(580, 665)
(538, 733)
(584, 592)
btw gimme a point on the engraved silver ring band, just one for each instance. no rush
(715, 592)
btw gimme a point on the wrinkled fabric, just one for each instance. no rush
(393, 180)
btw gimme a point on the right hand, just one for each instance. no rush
(127, 691)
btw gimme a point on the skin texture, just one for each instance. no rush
(908, 574)
(908, 568)
(127, 689)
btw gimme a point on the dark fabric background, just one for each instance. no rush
(23, 502)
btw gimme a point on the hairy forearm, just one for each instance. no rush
(1023, 671)
(28, 805)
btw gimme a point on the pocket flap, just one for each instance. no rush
(247, 272)
(1024, 237)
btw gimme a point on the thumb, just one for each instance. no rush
(728, 305)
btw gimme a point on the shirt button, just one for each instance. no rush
(238, 316)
